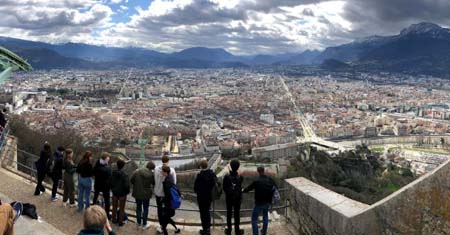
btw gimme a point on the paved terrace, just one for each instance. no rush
(55, 219)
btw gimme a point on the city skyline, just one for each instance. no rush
(241, 27)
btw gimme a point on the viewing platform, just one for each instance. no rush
(56, 219)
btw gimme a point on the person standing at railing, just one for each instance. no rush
(3, 119)
(56, 170)
(143, 181)
(158, 190)
(120, 188)
(203, 187)
(69, 185)
(232, 186)
(264, 189)
(102, 174)
(168, 210)
(85, 173)
(41, 164)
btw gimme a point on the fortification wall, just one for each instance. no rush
(397, 140)
(421, 207)
(315, 210)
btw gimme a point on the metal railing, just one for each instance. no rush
(28, 170)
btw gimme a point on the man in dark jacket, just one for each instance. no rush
(102, 184)
(41, 164)
(232, 186)
(143, 182)
(264, 188)
(57, 170)
(203, 187)
(120, 189)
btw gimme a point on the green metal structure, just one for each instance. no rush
(10, 62)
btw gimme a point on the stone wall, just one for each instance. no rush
(397, 140)
(316, 210)
(421, 207)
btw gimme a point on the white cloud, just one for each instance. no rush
(277, 28)
(240, 26)
(53, 21)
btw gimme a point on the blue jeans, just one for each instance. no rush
(256, 211)
(84, 191)
(142, 205)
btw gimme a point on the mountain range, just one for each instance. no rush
(420, 48)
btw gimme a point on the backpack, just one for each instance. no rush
(175, 201)
(236, 187)
(275, 195)
(217, 190)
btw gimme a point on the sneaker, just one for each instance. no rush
(159, 230)
(145, 227)
(54, 199)
(18, 207)
(72, 205)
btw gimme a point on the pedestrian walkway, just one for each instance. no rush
(56, 219)
(26, 225)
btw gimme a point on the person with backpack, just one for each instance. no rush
(143, 181)
(102, 184)
(159, 190)
(69, 185)
(232, 186)
(120, 189)
(171, 200)
(85, 173)
(55, 170)
(41, 167)
(204, 184)
(264, 189)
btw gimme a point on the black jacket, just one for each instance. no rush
(204, 184)
(102, 174)
(227, 184)
(120, 184)
(167, 210)
(263, 187)
(41, 163)
(58, 159)
(85, 169)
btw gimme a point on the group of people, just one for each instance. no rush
(206, 182)
(144, 182)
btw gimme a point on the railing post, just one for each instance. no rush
(214, 212)
(286, 205)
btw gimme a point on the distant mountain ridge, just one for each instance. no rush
(101, 56)
(419, 48)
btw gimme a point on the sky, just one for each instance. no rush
(242, 27)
